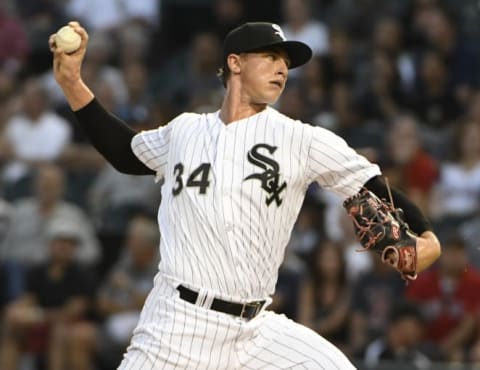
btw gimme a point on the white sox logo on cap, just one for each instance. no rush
(279, 32)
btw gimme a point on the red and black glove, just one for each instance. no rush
(381, 228)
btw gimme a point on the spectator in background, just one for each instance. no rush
(40, 18)
(327, 301)
(312, 84)
(108, 15)
(305, 234)
(114, 199)
(419, 14)
(456, 197)
(5, 218)
(11, 279)
(348, 122)
(10, 286)
(144, 12)
(383, 95)
(448, 297)
(402, 341)
(406, 164)
(39, 12)
(340, 60)
(473, 110)
(443, 35)
(4, 290)
(388, 37)
(299, 24)
(433, 100)
(291, 289)
(302, 26)
(361, 16)
(374, 295)
(189, 81)
(34, 136)
(470, 229)
(119, 300)
(474, 353)
(26, 239)
(135, 110)
(134, 42)
(293, 104)
(341, 111)
(57, 294)
(227, 15)
(9, 101)
(13, 42)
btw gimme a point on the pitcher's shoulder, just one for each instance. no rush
(301, 127)
(189, 117)
(186, 119)
(287, 120)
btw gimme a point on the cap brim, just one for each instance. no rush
(298, 52)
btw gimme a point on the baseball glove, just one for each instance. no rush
(381, 228)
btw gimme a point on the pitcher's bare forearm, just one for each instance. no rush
(78, 94)
(428, 250)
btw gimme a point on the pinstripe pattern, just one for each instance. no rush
(229, 241)
(336, 166)
(174, 334)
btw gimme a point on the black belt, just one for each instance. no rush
(244, 310)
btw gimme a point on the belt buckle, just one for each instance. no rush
(256, 305)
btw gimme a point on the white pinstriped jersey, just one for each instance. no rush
(232, 193)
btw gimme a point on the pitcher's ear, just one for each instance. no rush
(234, 62)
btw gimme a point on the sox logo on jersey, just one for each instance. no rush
(270, 178)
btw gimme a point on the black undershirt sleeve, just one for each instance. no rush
(111, 137)
(413, 215)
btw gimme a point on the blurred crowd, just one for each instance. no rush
(398, 80)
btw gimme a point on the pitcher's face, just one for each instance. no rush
(264, 75)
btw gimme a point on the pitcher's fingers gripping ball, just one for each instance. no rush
(68, 39)
(381, 228)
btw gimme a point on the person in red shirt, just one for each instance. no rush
(407, 164)
(14, 47)
(449, 297)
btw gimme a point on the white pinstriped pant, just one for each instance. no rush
(175, 334)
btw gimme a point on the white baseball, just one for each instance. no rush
(67, 39)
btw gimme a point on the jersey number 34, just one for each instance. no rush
(198, 178)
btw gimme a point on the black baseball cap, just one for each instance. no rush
(257, 36)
